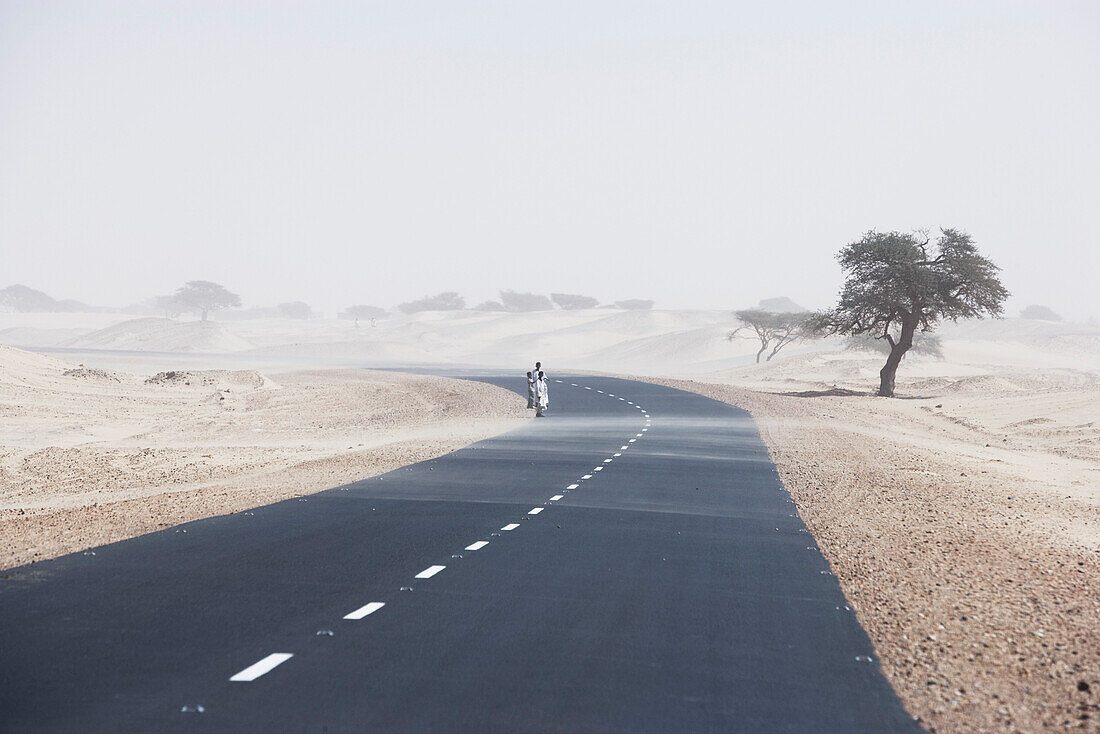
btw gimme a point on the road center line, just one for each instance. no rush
(535, 510)
(598, 468)
(618, 453)
(511, 526)
(478, 545)
(573, 486)
(556, 497)
(363, 611)
(254, 671)
(607, 461)
(430, 571)
(587, 476)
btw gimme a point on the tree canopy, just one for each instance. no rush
(775, 330)
(571, 302)
(521, 302)
(896, 283)
(203, 296)
(1042, 313)
(446, 301)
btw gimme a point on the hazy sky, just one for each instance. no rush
(705, 154)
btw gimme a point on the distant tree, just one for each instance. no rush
(635, 304)
(775, 330)
(898, 283)
(202, 296)
(1042, 313)
(521, 302)
(490, 306)
(925, 344)
(447, 301)
(363, 312)
(569, 302)
(295, 310)
(170, 305)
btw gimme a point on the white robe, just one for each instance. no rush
(542, 391)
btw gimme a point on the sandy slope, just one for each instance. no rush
(89, 456)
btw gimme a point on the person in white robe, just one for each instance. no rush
(542, 395)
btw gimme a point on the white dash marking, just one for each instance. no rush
(619, 453)
(586, 476)
(535, 510)
(632, 440)
(574, 384)
(556, 497)
(623, 448)
(254, 671)
(586, 387)
(430, 571)
(511, 526)
(622, 398)
(637, 435)
(607, 461)
(573, 486)
(600, 392)
(478, 545)
(644, 430)
(628, 402)
(598, 468)
(611, 395)
(363, 611)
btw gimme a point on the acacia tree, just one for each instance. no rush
(898, 283)
(775, 330)
(204, 297)
(571, 302)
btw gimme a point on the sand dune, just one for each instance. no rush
(88, 456)
(163, 335)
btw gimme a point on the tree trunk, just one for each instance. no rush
(897, 350)
(765, 346)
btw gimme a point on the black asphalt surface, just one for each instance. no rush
(674, 591)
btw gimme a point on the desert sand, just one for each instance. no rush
(90, 456)
(962, 518)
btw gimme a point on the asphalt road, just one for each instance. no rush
(493, 589)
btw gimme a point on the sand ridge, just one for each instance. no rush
(89, 456)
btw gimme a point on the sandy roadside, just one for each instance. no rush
(89, 457)
(970, 552)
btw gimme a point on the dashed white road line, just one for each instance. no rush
(511, 526)
(618, 453)
(587, 476)
(607, 461)
(573, 486)
(430, 571)
(633, 439)
(598, 468)
(637, 435)
(556, 497)
(478, 545)
(535, 510)
(363, 611)
(254, 671)
(623, 448)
